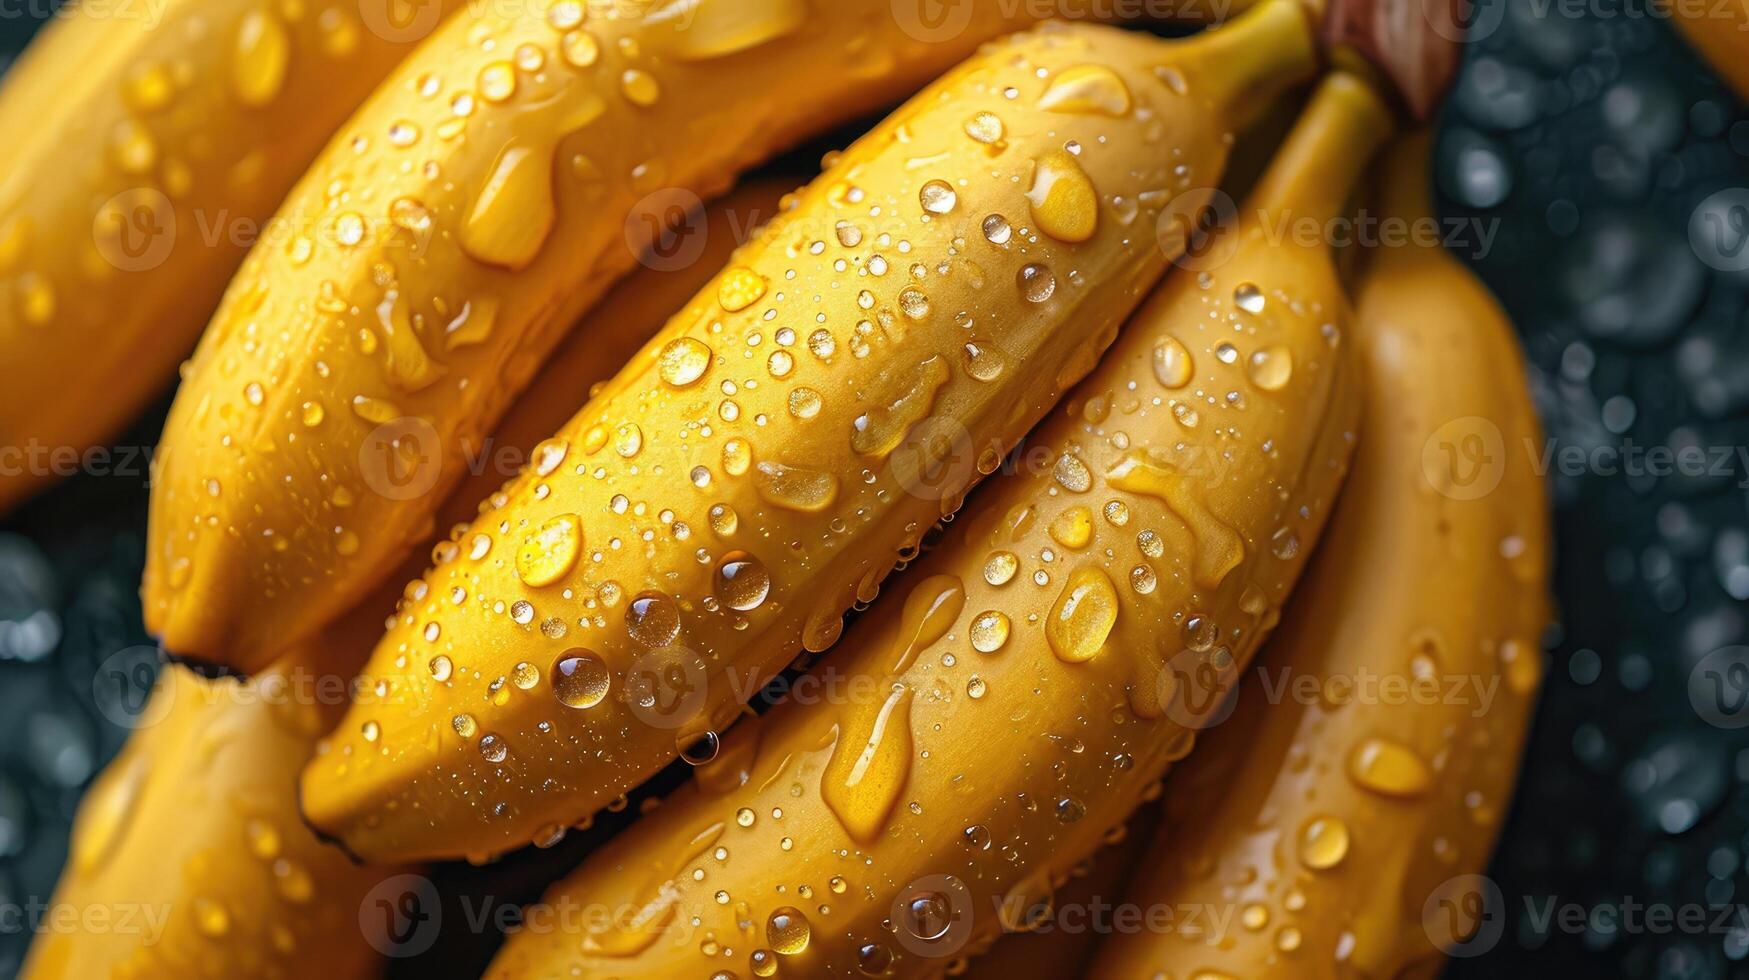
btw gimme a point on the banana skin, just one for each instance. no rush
(1336, 832)
(147, 144)
(1038, 678)
(764, 462)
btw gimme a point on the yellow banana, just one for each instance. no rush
(193, 833)
(487, 195)
(766, 459)
(146, 142)
(1045, 667)
(190, 845)
(1720, 32)
(1336, 826)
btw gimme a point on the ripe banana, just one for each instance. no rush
(487, 195)
(146, 143)
(1028, 694)
(190, 845)
(761, 466)
(230, 882)
(1720, 32)
(1336, 831)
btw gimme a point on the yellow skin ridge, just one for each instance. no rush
(146, 144)
(482, 200)
(763, 463)
(1165, 528)
(1335, 838)
(196, 823)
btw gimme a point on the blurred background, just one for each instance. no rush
(1615, 169)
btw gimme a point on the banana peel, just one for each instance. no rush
(146, 146)
(194, 833)
(764, 462)
(1074, 609)
(485, 197)
(1343, 833)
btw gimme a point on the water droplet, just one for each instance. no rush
(1172, 364)
(1073, 528)
(263, 51)
(990, 631)
(1271, 368)
(863, 779)
(1248, 298)
(493, 749)
(742, 581)
(787, 931)
(580, 679)
(805, 403)
(1037, 283)
(985, 127)
(441, 668)
(937, 197)
(795, 488)
(1000, 567)
(1087, 89)
(1323, 843)
(1388, 768)
(1083, 616)
(653, 619)
(1064, 204)
(549, 553)
(931, 608)
(882, 428)
(683, 361)
(464, 725)
(1072, 474)
(739, 288)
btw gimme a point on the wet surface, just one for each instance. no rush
(1608, 155)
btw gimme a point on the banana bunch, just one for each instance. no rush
(994, 352)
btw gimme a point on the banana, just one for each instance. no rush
(146, 142)
(483, 199)
(1337, 835)
(190, 845)
(1720, 32)
(766, 459)
(1045, 666)
(194, 830)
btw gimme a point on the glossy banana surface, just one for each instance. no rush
(763, 463)
(962, 751)
(193, 833)
(1337, 824)
(488, 194)
(146, 145)
(1720, 32)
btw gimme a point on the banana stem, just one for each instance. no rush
(1315, 171)
(1246, 64)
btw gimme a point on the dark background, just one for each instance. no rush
(1592, 137)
